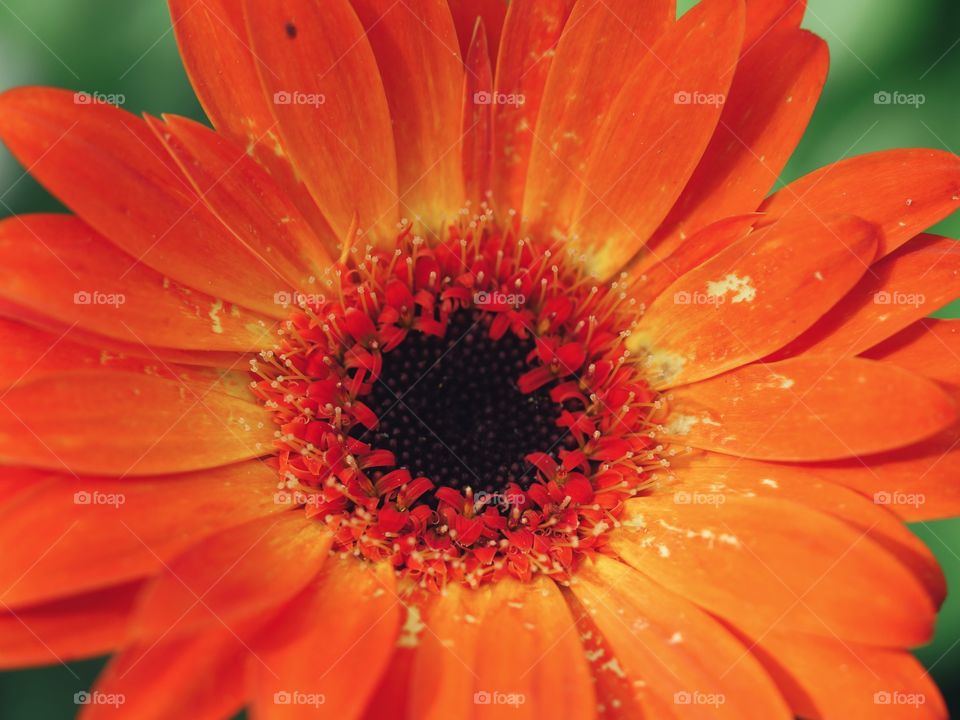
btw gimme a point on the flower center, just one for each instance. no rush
(450, 408)
(464, 409)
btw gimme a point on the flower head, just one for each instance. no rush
(467, 367)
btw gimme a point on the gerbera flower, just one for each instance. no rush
(465, 370)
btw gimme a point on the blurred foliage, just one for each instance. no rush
(116, 46)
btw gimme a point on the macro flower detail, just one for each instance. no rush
(468, 367)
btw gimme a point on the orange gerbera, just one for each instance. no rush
(465, 371)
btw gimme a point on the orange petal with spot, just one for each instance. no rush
(654, 277)
(910, 190)
(330, 646)
(93, 422)
(652, 154)
(70, 536)
(682, 663)
(711, 478)
(920, 277)
(917, 482)
(530, 35)
(71, 628)
(730, 310)
(234, 575)
(809, 408)
(320, 75)
(418, 54)
(579, 92)
(928, 347)
(57, 266)
(829, 579)
(216, 53)
(515, 640)
(774, 92)
(107, 166)
(246, 199)
(832, 680)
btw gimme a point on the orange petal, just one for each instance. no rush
(769, 564)
(200, 677)
(920, 277)
(682, 663)
(71, 536)
(656, 276)
(213, 43)
(57, 266)
(328, 649)
(729, 310)
(711, 478)
(491, 12)
(15, 481)
(246, 199)
(650, 155)
(328, 98)
(68, 629)
(513, 647)
(477, 122)
(98, 422)
(417, 51)
(766, 16)
(92, 349)
(236, 574)
(106, 165)
(530, 35)
(917, 482)
(928, 347)
(910, 190)
(809, 408)
(579, 92)
(773, 94)
(832, 680)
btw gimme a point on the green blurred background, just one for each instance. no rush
(118, 46)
